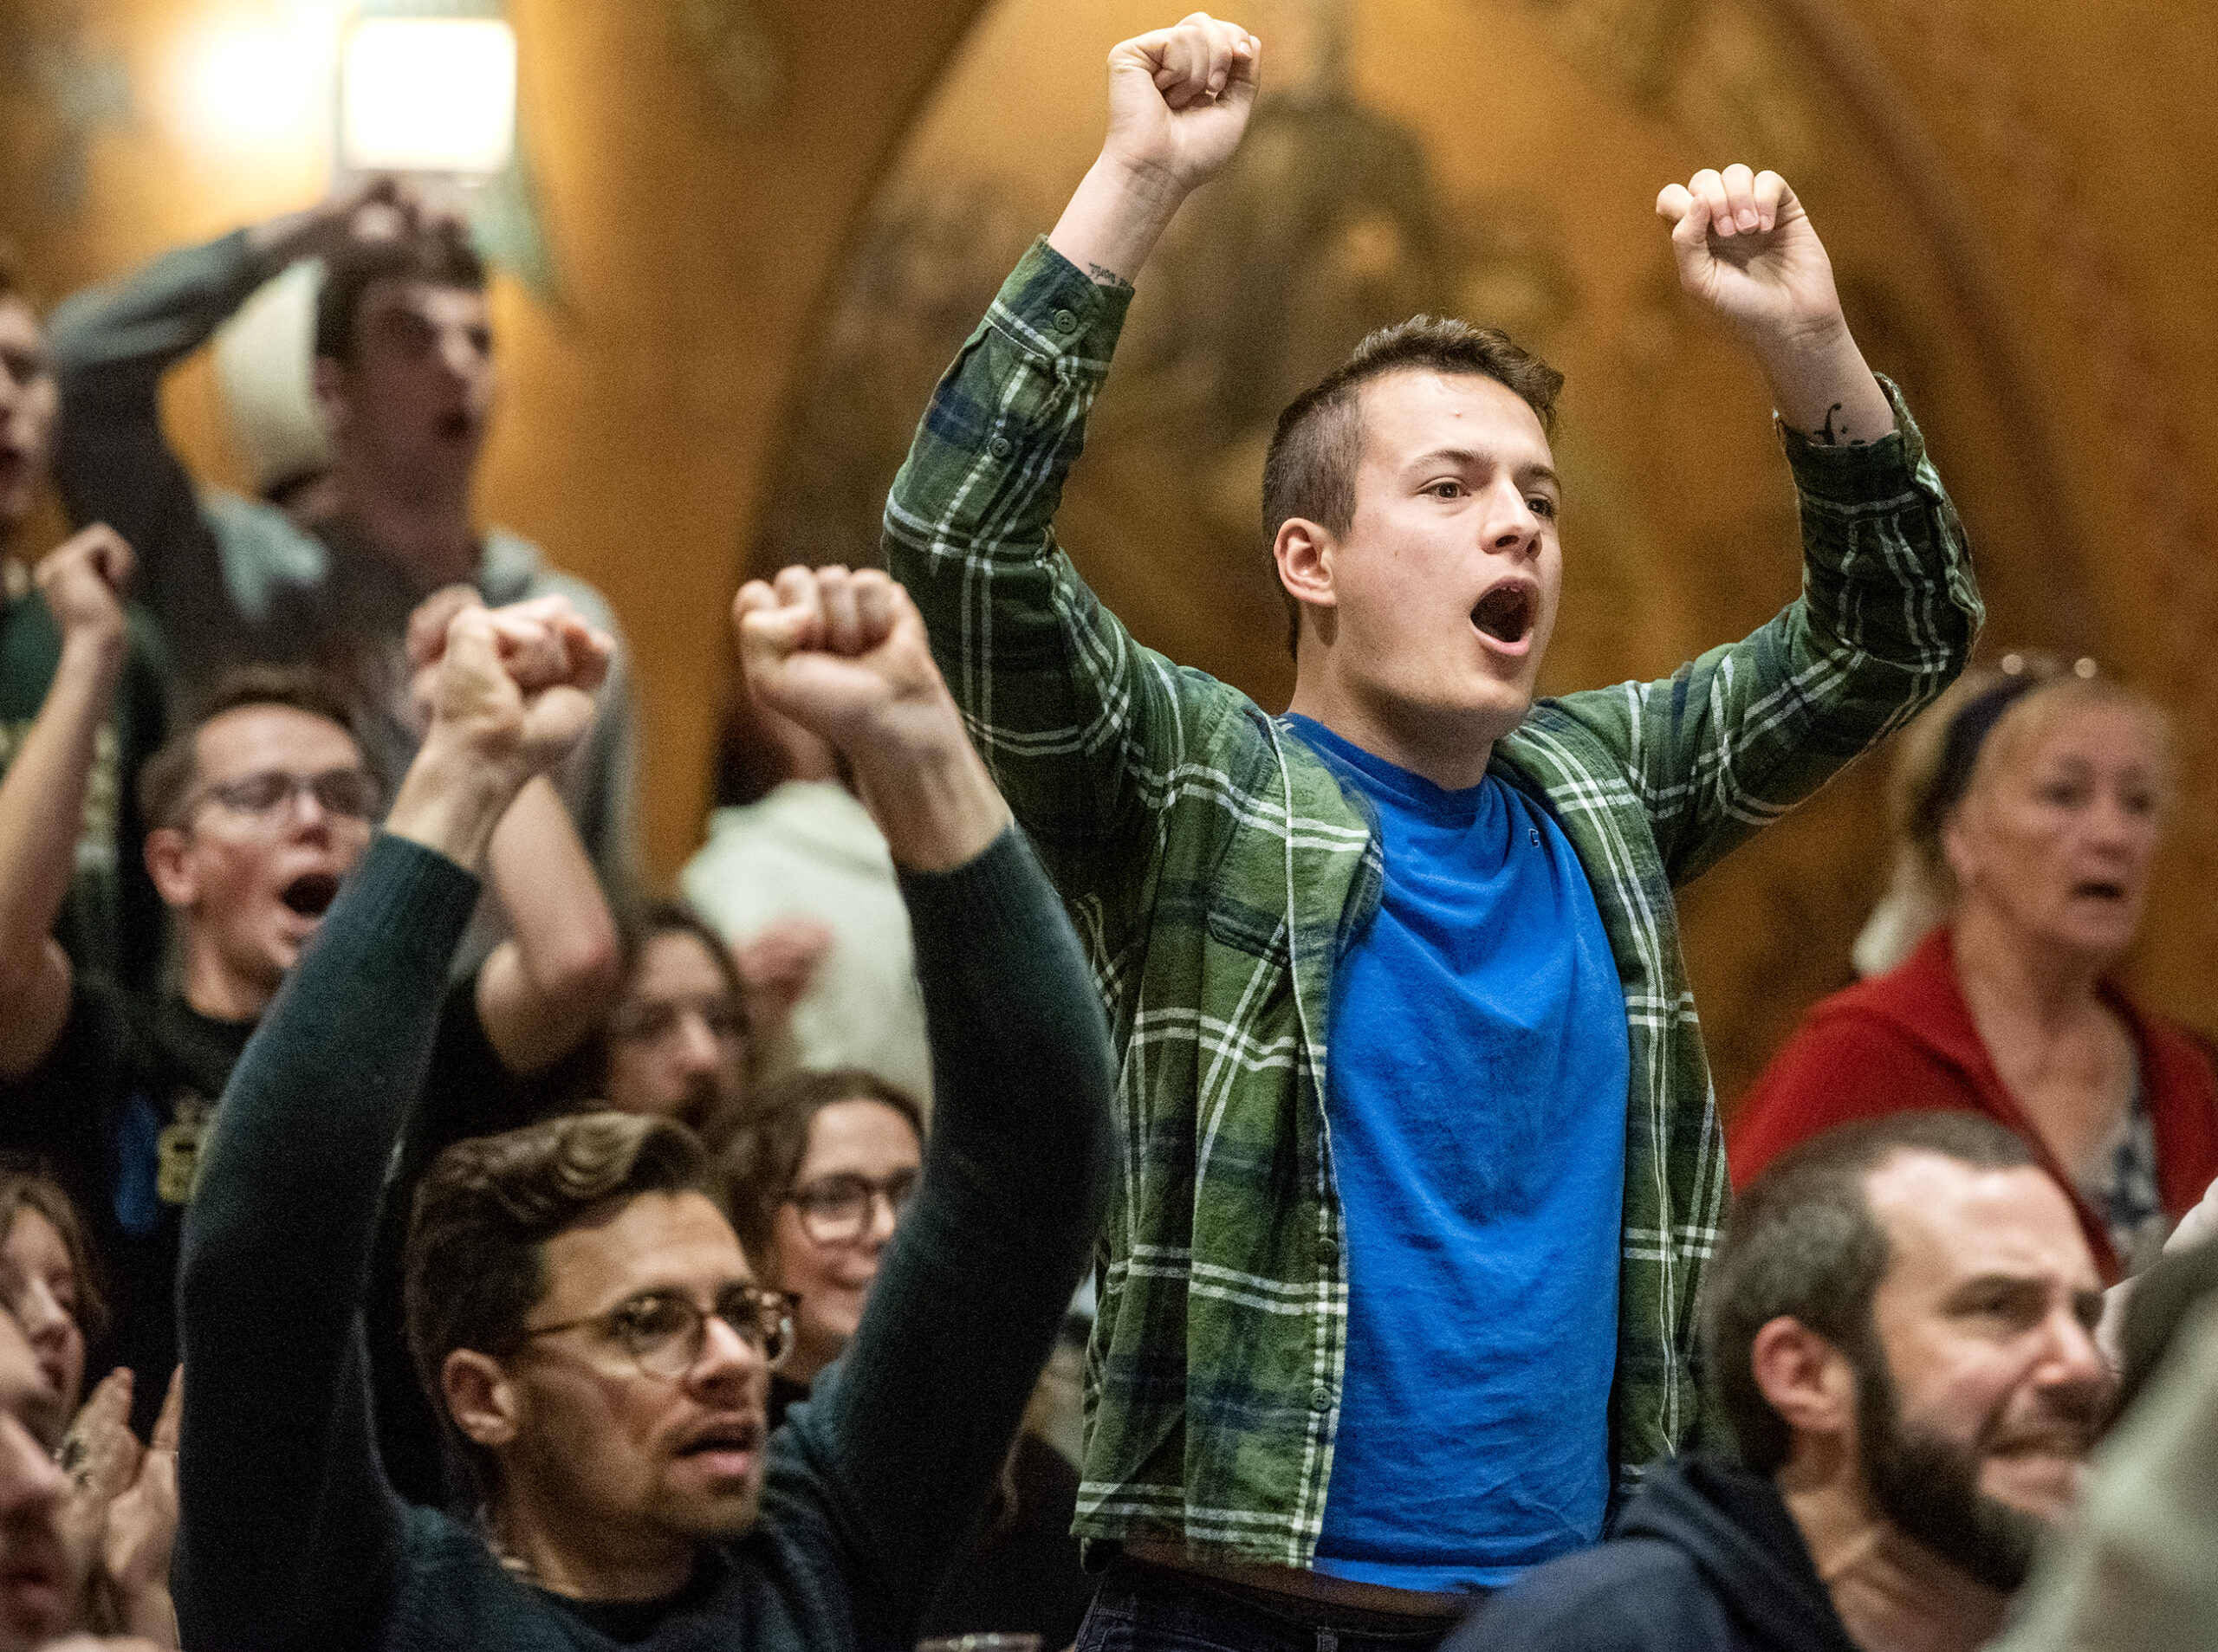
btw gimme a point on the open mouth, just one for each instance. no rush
(2096, 890)
(458, 427)
(1507, 612)
(740, 1435)
(310, 894)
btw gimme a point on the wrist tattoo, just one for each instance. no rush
(1104, 276)
(1826, 436)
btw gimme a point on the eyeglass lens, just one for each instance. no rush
(836, 1208)
(666, 1332)
(349, 793)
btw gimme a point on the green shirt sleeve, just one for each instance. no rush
(1889, 610)
(1084, 728)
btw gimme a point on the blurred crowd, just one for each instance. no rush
(414, 1233)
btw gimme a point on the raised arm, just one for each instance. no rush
(910, 1429)
(289, 1531)
(111, 345)
(542, 991)
(42, 793)
(1890, 606)
(1082, 728)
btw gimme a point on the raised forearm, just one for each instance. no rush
(543, 989)
(122, 336)
(1113, 220)
(1823, 388)
(42, 814)
(933, 799)
(277, 1472)
(452, 800)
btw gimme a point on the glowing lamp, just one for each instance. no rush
(428, 95)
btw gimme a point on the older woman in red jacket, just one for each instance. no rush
(2029, 803)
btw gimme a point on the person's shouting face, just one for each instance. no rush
(278, 809)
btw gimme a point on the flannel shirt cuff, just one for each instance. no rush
(1050, 308)
(1860, 476)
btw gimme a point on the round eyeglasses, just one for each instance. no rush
(836, 1210)
(666, 1331)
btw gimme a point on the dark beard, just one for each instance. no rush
(1929, 1487)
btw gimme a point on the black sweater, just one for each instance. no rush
(291, 1537)
(1705, 1559)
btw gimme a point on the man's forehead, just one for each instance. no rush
(1408, 412)
(440, 303)
(249, 738)
(1947, 1221)
(650, 1241)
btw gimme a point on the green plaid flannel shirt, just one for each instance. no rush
(1214, 868)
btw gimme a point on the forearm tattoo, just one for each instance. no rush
(1106, 277)
(1826, 436)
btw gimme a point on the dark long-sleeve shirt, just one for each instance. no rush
(291, 1537)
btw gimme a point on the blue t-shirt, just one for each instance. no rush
(1476, 1080)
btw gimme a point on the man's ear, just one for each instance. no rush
(1304, 553)
(166, 864)
(1804, 1378)
(480, 1397)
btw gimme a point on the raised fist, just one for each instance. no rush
(1746, 249)
(83, 581)
(845, 656)
(1179, 99)
(516, 685)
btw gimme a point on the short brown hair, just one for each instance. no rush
(1802, 1243)
(168, 777)
(26, 1187)
(442, 258)
(1309, 469)
(756, 1163)
(476, 1262)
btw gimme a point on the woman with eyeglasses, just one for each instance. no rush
(818, 1176)
(817, 1180)
(2028, 807)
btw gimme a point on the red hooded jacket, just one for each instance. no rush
(1905, 1039)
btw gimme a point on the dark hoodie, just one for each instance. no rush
(1705, 1559)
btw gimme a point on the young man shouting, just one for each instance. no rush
(1381, 1330)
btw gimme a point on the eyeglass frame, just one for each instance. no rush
(608, 1322)
(873, 1190)
(222, 792)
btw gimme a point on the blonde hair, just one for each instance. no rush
(1947, 756)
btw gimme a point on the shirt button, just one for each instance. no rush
(1320, 1398)
(1327, 1252)
(999, 447)
(1066, 321)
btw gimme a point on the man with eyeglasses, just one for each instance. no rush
(258, 813)
(595, 1334)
